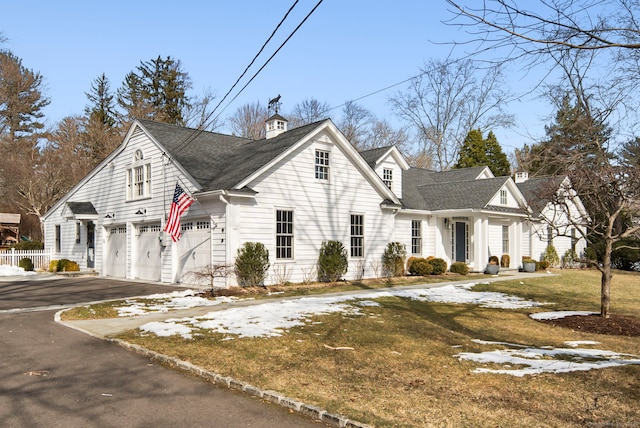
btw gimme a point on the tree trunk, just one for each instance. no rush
(605, 282)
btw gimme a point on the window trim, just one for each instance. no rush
(322, 163)
(416, 237)
(387, 177)
(505, 239)
(503, 197)
(58, 238)
(356, 240)
(139, 178)
(284, 241)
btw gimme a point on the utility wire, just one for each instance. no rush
(195, 134)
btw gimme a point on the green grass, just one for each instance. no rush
(403, 371)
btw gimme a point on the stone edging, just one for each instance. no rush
(273, 397)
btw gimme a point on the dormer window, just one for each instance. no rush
(387, 177)
(139, 178)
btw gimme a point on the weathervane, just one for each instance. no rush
(274, 104)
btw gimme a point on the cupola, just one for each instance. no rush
(276, 124)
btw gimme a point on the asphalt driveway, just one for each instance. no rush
(53, 376)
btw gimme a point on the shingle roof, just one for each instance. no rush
(82, 208)
(449, 190)
(218, 161)
(538, 191)
(372, 155)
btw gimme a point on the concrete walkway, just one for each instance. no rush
(110, 327)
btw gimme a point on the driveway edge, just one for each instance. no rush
(272, 397)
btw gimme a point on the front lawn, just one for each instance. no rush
(404, 367)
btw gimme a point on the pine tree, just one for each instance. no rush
(21, 99)
(476, 151)
(156, 90)
(102, 107)
(496, 159)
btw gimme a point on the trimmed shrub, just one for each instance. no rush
(53, 266)
(551, 256)
(252, 264)
(439, 266)
(420, 267)
(332, 261)
(66, 265)
(459, 267)
(26, 263)
(542, 265)
(393, 258)
(411, 260)
(505, 261)
(493, 260)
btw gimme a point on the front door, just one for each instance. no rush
(91, 245)
(461, 241)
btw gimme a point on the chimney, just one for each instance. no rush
(276, 125)
(522, 176)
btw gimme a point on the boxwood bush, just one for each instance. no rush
(439, 266)
(459, 267)
(420, 267)
(26, 263)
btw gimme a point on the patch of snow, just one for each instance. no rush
(548, 360)
(168, 301)
(8, 270)
(167, 328)
(559, 314)
(275, 318)
(576, 343)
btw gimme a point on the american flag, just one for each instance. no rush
(181, 201)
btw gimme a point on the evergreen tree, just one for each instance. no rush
(21, 99)
(496, 159)
(575, 131)
(156, 90)
(476, 151)
(102, 107)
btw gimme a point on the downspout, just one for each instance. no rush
(226, 234)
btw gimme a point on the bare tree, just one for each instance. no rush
(248, 121)
(355, 123)
(308, 111)
(198, 112)
(446, 101)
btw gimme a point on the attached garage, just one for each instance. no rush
(115, 254)
(194, 249)
(147, 263)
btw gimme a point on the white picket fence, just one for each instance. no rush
(40, 258)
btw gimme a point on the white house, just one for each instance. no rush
(559, 223)
(290, 191)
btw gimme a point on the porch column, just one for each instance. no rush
(480, 243)
(516, 249)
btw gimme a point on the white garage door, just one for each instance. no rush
(194, 250)
(115, 256)
(148, 256)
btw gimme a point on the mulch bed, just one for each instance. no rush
(615, 325)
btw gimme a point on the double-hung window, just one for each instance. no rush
(284, 234)
(139, 178)
(505, 239)
(357, 235)
(416, 237)
(322, 165)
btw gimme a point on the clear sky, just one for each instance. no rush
(347, 49)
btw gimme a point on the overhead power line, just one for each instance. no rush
(195, 134)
